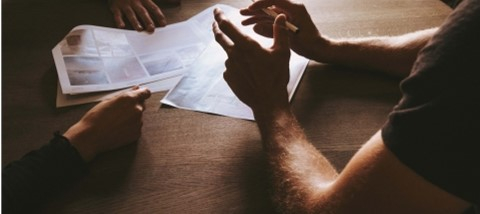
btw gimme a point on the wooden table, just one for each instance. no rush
(190, 162)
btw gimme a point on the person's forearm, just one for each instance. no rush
(394, 55)
(299, 172)
(31, 181)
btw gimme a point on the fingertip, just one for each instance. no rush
(245, 11)
(280, 33)
(162, 23)
(161, 19)
(148, 93)
(280, 23)
(137, 26)
(150, 28)
(119, 21)
(281, 20)
(244, 22)
(216, 11)
(143, 93)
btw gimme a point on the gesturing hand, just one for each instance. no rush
(257, 75)
(307, 42)
(110, 124)
(142, 14)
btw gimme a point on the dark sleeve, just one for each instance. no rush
(452, 3)
(434, 128)
(31, 181)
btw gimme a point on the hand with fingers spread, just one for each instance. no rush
(257, 75)
(142, 14)
(110, 124)
(306, 42)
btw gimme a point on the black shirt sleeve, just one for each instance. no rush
(452, 3)
(434, 128)
(31, 181)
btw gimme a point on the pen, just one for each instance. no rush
(274, 14)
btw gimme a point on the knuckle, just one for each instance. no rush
(127, 97)
(251, 44)
(226, 76)
(124, 96)
(228, 63)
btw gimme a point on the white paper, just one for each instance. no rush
(202, 88)
(64, 100)
(139, 42)
(94, 59)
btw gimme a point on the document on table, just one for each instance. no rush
(202, 88)
(96, 63)
(93, 59)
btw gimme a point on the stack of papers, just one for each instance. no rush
(92, 61)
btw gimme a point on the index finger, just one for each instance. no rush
(221, 38)
(141, 93)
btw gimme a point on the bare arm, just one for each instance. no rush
(374, 181)
(299, 171)
(394, 55)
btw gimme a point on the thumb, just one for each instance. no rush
(280, 33)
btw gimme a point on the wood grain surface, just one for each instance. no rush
(190, 162)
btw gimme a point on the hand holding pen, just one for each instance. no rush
(271, 12)
(260, 14)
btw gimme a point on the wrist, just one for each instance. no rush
(271, 115)
(273, 124)
(325, 50)
(82, 145)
